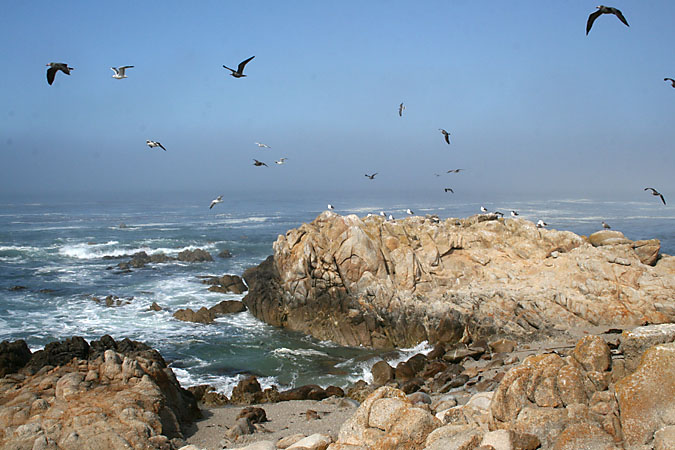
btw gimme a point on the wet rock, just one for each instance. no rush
(227, 307)
(203, 315)
(225, 254)
(196, 255)
(17, 288)
(155, 307)
(13, 356)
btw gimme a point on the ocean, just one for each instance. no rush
(61, 252)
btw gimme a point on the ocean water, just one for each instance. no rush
(57, 250)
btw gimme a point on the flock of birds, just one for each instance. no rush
(120, 73)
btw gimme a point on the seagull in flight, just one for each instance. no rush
(55, 67)
(606, 226)
(446, 135)
(240, 68)
(153, 144)
(604, 10)
(372, 177)
(657, 193)
(259, 163)
(216, 201)
(454, 170)
(281, 161)
(672, 82)
(119, 72)
(401, 107)
(541, 224)
(261, 145)
(448, 190)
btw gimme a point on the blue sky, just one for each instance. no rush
(534, 106)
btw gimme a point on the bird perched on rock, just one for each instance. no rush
(55, 67)
(216, 201)
(498, 213)
(541, 224)
(259, 163)
(606, 226)
(153, 144)
(383, 214)
(672, 82)
(119, 72)
(446, 135)
(656, 193)
(331, 207)
(400, 109)
(372, 177)
(409, 212)
(240, 68)
(514, 213)
(448, 190)
(604, 10)
(483, 209)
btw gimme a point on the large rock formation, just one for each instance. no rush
(105, 395)
(380, 283)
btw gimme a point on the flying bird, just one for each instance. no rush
(672, 82)
(400, 109)
(605, 225)
(372, 177)
(55, 67)
(541, 224)
(604, 10)
(240, 68)
(259, 163)
(446, 135)
(409, 211)
(261, 145)
(657, 193)
(454, 170)
(216, 201)
(153, 144)
(448, 190)
(514, 213)
(119, 72)
(280, 161)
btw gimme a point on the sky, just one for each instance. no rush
(534, 107)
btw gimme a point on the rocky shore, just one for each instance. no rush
(378, 283)
(541, 339)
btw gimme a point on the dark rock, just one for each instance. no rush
(360, 390)
(437, 352)
(240, 428)
(254, 414)
(403, 371)
(334, 391)
(246, 392)
(433, 368)
(225, 254)
(122, 225)
(306, 392)
(196, 255)
(417, 362)
(13, 356)
(58, 353)
(455, 382)
(112, 300)
(227, 307)
(458, 354)
(17, 288)
(413, 385)
(310, 414)
(233, 283)
(155, 307)
(203, 315)
(382, 373)
(442, 378)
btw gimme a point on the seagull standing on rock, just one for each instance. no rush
(119, 72)
(606, 226)
(483, 209)
(216, 201)
(604, 10)
(55, 67)
(240, 68)
(153, 144)
(541, 224)
(514, 213)
(331, 207)
(409, 212)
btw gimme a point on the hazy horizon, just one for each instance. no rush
(536, 109)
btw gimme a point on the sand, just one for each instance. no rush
(284, 419)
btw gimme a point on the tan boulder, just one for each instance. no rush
(647, 396)
(584, 436)
(636, 341)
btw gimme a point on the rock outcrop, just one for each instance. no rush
(383, 284)
(101, 395)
